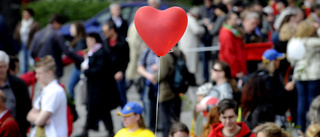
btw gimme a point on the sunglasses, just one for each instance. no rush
(216, 69)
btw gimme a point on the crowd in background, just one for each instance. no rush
(235, 97)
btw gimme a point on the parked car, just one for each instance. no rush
(128, 11)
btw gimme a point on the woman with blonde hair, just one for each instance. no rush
(271, 130)
(306, 69)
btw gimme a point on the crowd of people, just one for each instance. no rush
(236, 96)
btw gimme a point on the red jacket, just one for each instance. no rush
(232, 51)
(8, 126)
(216, 130)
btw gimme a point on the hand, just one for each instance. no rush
(210, 26)
(85, 56)
(290, 86)
(118, 76)
(150, 77)
(200, 107)
(315, 25)
(240, 75)
(300, 133)
(154, 67)
(205, 21)
(48, 121)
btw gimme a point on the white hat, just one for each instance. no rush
(204, 89)
(267, 10)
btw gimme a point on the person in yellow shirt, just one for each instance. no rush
(133, 122)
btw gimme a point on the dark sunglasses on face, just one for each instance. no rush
(214, 69)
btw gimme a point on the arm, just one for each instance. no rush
(43, 118)
(217, 26)
(61, 44)
(141, 66)
(33, 46)
(313, 43)
(39, 118)
(31, 117)
(195, 27)
(142, 71)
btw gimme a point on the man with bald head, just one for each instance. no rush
(8, 126)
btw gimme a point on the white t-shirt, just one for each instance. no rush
(54, 100)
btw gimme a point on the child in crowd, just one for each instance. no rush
(203, 98)
(133, 122)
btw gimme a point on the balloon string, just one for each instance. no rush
(158, 94)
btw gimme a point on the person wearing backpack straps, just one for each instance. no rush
(169, 101)
(147, 67)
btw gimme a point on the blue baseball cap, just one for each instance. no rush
(272, 54)
(130, 109)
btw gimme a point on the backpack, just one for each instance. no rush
(181, 78)
(72, 114)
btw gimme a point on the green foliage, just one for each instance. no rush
(72, 10)
(185, 2)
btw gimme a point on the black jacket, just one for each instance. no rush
(119, 54)
(23, 104)
(80, 45)
(123, 29)
(101, 85)
(260, 114)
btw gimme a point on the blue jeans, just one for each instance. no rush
(205, 56)
(149, 105)
(24, 57)
(74, 79)
(122, 91)
(307, 91)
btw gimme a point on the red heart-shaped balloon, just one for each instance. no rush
(160, 30)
